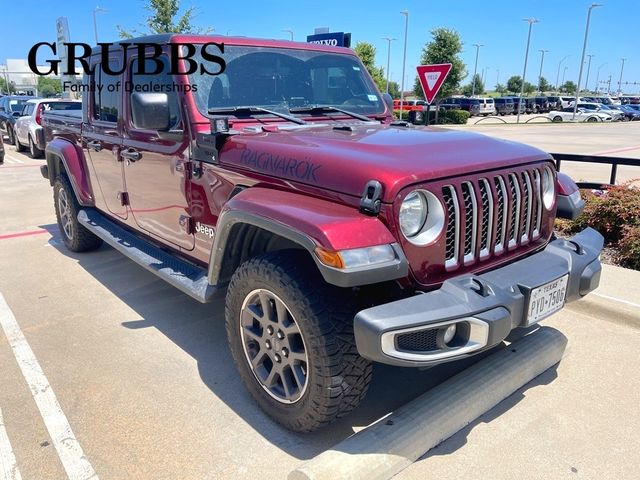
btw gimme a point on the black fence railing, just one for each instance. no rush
(613, 161)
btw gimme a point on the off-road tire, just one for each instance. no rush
(337, 377)
(34, 151)
(76, 237)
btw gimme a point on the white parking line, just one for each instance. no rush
(9, 159)
(71, 455)
(626, 302)
(8, 466)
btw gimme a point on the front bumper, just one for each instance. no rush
(487, 306)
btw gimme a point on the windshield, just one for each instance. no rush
(281, 79)
(17, 105)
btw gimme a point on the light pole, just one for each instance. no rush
(598, 76)
(484, 73)
(228, 31)
(564, 72)
(531, 21)
(289, 31)
(404, 56)
(475, 68)
(95, 23)
(558, 74)
(620, 81)
(497, 76)
(389, 40)
(540, 74)
(586, 81)
(584, 51)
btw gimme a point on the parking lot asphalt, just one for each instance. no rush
(143, 376)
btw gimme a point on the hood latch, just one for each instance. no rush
(370, 201)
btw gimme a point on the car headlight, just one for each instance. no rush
(548, 188)
(421, 217)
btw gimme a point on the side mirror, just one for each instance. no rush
(388, 100)
(150, 111)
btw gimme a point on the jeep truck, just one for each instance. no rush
(334, 236)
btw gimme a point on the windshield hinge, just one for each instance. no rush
(370, 201)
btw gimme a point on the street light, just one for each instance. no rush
(620, 81)
(540, 74)
(404, 56)
(228, 31)
(584, 50)
(484, 72)
(564, 72)
(95, 23)
(290, 32)
(558, 74)
(531, 21)
(497, 76)
(389, 40)
(598, 76)
(586, 81)
(475, 68)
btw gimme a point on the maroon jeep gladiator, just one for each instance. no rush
(335, 236)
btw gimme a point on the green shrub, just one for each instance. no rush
(405, 114)
(458, 117)
(629, 247)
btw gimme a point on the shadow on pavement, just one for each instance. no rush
(198, 329)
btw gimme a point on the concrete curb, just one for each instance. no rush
(390, 445)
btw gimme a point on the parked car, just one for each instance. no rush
(567, 101)
(333, 237)
(582, 115)
(517, 104)
(537, 105)
(555, 102)
(471, 105)
(28, 128)
(409, 105)
(486, 106)
(632, 114)
(504, 105)
(10, 109)
(1, 150)
(617, 115)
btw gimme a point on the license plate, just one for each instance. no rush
(546, 299)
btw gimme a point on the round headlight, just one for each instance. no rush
(413, 213)
(548, 188)
(421, 217)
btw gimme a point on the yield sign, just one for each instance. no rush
(431, 78)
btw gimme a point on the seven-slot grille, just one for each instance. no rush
(491, 214)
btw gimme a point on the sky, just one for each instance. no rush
(496, 24)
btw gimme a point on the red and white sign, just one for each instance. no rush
(431, 78)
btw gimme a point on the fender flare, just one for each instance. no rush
(310, 223)
(60, 151)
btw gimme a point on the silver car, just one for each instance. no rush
(28, 129)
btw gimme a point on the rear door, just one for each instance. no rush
(102, 139)
(156, 165)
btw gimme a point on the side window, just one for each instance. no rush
(160, 83)
(105, 96)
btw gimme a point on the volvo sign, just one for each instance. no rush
(333, 39)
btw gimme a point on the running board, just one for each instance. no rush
(185, 276)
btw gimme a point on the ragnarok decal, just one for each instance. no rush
(280, 165)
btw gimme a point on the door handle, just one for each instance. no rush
(131, 155)
(95, 144)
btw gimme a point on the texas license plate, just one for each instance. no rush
(546, 299)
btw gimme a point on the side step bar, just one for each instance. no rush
(185, 276)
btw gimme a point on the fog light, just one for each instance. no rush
(449, 333)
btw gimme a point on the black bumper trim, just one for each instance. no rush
(508, 287)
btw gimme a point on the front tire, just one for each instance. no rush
(10, 135)
(34, 151)
(291, 338)
(557, 118)
(75, 236)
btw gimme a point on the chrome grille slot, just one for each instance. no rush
(470, 221)
(487, 217)
(514, 201)
(527, 202)
(501, 226)
(453, 226)
(538, 217)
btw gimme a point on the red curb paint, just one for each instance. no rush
(22, 234)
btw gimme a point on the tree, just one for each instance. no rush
(501, 89)
(49, 87)
(543, 84)
(3, 86)
(161, 20)
(367, 53)
(444, 48)
(568, 87)
(529, 88)
(479, 88)
(514, 84)
(394, 89)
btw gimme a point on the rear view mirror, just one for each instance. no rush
(150, 111)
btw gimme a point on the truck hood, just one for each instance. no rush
(345, 159)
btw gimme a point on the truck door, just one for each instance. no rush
(154, 164)
(102, 138)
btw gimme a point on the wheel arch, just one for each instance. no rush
(64, 157)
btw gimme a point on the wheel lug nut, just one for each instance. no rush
(280, 334)
(285, 352)
(270, 330)
(268, 344)
(277, 358)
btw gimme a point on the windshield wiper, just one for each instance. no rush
(327, 109)
(250, 110)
